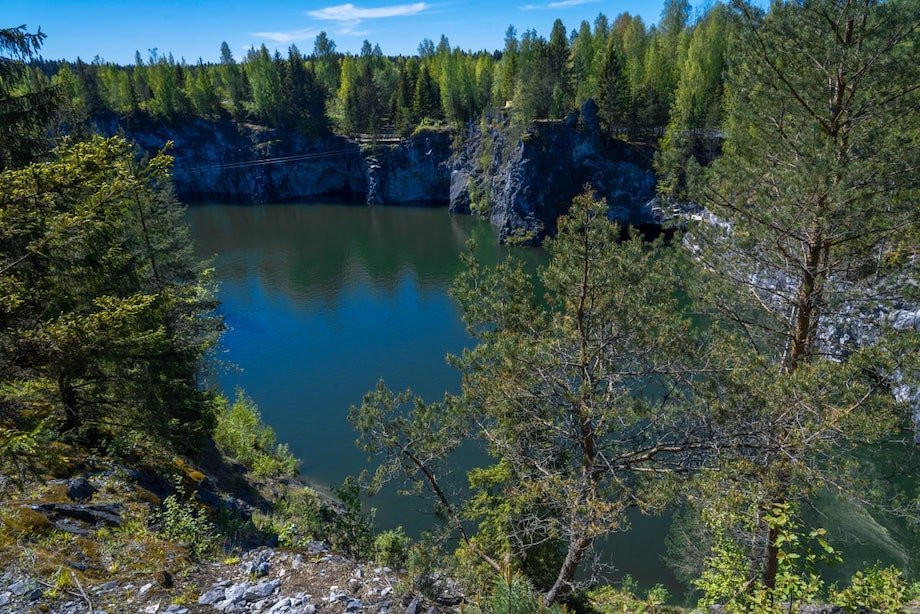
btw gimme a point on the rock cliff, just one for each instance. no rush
(521, 182)
(524, 183)
(242, 163)
(413, 171)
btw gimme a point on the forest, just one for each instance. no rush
(731, 371)
(649, 81)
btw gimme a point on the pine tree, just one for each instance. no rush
(815, 197)
(303, 101)
(550, 386)
(23, 115)
(232, 81)
(426, 100)
(613, 92)
(402, 100)
(697, 110)
(106, 317)
(326, 63)
(265, 80)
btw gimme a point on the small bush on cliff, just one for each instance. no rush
(879, 589)
(391, 548)
(513, 593)
(241, 434)
(185, 522)
(726, 582)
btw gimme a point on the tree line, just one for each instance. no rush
(631, 68)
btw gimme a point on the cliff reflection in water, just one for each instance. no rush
(315, 252)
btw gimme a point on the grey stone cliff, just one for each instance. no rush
(413, 171)
(242, 163)
(523, 185)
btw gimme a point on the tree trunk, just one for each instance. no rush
(573, 558)
(73, 419)
(771, 560)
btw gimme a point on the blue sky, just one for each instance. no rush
(113, 29)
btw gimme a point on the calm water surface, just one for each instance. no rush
(322, 301)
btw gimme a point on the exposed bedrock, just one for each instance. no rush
(524, 182)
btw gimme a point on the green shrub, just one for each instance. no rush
(185, 522)
(512, 593)
(241, 434)
(879, 589)
(298, 517)
(391, 548)
(351, 529)
(623, 598)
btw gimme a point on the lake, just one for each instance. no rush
(322, 301)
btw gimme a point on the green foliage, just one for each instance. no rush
(298, 517)
(697, 110)
(352, 527)
(265, 82)
(542, 78)
(184, 521)
(25, 112)
(107, 316)
(580, 406)
(878, 589)
(726, 581)
(241, 435)
(797, 187)
(611, 599)
(512, 593)
(165, 79)
(391, 548)
(202, 93)
(613, 95)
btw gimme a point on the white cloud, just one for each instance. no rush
(350, 12)
(348, 16)
(559, 4)
(289, 36)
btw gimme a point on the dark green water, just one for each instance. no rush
(322, 301)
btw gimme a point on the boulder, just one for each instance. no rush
(79, 489)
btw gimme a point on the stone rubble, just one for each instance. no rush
(265, 581)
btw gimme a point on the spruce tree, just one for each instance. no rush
(613, 92)
(106, 315)
(24, 115)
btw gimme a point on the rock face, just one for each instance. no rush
(242, 163)
(225, 161)
(526, 181)
(414, 171)
(524, 184)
